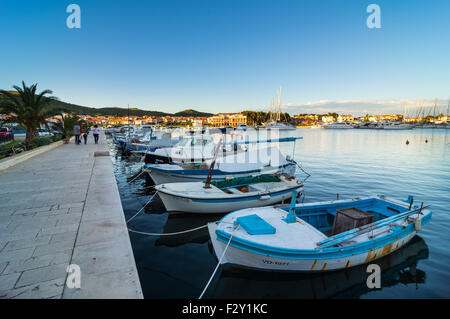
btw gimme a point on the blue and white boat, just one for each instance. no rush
(242, 164)
(316, 237)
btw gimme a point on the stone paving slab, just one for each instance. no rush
(61, 208)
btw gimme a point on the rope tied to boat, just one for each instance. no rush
(141, 208)
(220, 262)
(307, 174)
(142, 171)
(167, 234)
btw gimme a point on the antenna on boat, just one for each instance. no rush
(211, 168)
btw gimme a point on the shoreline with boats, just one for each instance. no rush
(211, 171)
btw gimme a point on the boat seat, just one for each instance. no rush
(234, 190)
(261, 187)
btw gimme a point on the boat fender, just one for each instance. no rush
(417, 224)
(265, 197)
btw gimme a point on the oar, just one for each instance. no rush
(334, 240)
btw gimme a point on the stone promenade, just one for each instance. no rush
(62, 208)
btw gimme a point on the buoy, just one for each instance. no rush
(417, 224)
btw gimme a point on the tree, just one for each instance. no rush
(28, 108)
(66, 124)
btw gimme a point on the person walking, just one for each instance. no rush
(77, 133)
(85, 136)
(96, 132)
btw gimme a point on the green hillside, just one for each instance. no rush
(116, 111)
(192, 113)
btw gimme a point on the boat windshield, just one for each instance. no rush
(196, 142)
(193, 142)
(183, 142)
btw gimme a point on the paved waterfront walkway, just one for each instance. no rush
(62, 208)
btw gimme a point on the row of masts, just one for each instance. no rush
(275, 110)
(425, 109)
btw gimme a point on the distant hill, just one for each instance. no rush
(117, 111)
(192, 113)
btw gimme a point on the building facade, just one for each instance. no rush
(227, 119)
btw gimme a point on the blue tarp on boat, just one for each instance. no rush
(255, 225)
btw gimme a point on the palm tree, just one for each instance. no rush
(66, 124)
(28, 108)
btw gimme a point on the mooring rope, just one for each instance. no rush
(301, 168)
(167, 234)
(141, 208)
(142, 171)
(218, 264)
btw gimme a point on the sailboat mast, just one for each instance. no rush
(279, 105)
(448, 108)
(435, 108)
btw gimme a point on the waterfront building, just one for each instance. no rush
(327, 119)
(345, 118)
(227, 119)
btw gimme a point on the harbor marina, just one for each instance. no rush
(163, 261)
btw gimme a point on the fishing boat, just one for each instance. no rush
(260, 161)
(227, 195)
(313, 237)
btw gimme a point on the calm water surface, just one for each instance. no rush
(349, 162)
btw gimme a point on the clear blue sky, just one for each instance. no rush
(224, 56)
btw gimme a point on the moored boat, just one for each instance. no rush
(397, 126)
(316, 236)
(337, 126)
(227, 195)
(261, 161)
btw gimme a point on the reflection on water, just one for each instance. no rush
(349, 162)
(181, 222)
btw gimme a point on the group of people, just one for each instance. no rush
(78, 132)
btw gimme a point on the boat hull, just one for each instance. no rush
(237, 257)
(223, 205)
(160, 176)
(298, 246)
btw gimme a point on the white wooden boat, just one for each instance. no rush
(227, 195)
(301, 237)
